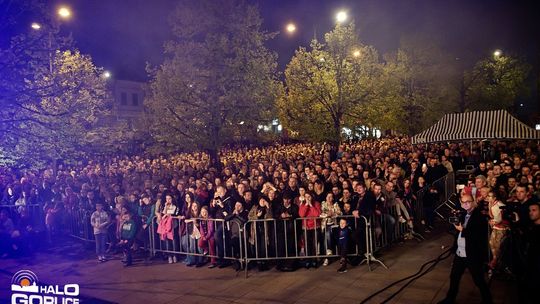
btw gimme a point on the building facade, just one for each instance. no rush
(128, 97)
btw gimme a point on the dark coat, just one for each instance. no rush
(366, 204)
(476, 237)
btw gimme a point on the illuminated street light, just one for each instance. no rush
(36, 26)
(356, 53)
(497, 53)
(341, 16)
(107, 75)
(64, 12)
(291, 28)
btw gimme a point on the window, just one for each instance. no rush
(123, 98)
(135, 98)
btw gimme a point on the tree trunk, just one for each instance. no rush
(336, 139)
(462, 97)
(337, 132)
(214, 158)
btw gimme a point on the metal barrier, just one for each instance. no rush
(272, 239)
(446, 186)
(226, 240)
(79, 226)
(34, 212)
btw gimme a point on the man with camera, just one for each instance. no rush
(221, 207)
(470, 248)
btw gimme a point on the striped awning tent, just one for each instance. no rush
(476, 125)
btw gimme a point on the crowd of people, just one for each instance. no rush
(199, 208)
(498, 213)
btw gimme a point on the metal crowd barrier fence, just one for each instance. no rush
(32, 213)
(446, 186)
(389, 228)
(306, 238)
(274, 239)
(226, 240)
(79, 226)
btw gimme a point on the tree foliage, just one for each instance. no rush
(329, 85)
(51, 99)
(415, 87)
(218, 80)
(493, 83)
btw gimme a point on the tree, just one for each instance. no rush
(218, 80)
(415, 87)
(493, 83)
(328, 86)
(52, 98)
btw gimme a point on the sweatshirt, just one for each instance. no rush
(100, 221)
(128, 230)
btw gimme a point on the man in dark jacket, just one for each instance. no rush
(470, 248)
(365, 206)
(236, 222)
(221, 207)
(285, 226)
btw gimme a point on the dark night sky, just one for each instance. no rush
(122, 35)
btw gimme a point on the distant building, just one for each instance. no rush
(128, 97)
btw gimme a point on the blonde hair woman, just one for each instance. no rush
(498, 227)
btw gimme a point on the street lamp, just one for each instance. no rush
(497, 53)
(356, 53)
(291, 28)
(341, 16)
(106, 74)
(64, 12)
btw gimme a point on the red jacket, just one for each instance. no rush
(313, 211)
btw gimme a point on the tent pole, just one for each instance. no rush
(482, 150)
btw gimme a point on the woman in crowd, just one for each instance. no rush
(206, 243)
(167, 225)
(498, 225)
(310, 209)
(259, 237)
(194, 234)
(189, 199)
(329, 211)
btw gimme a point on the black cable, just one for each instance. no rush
(415, 276)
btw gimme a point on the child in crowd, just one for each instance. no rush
(127, 236)
(100, 221)
(344, 235)
(206, 242)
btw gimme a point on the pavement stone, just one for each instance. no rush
(158, 282)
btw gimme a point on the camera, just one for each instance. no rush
(455, 217)
(510, 208)
(508, 212)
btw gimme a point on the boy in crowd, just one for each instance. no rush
(100, 222)
(344, 235)
(127, 236)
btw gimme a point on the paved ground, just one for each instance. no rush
(163, 283)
